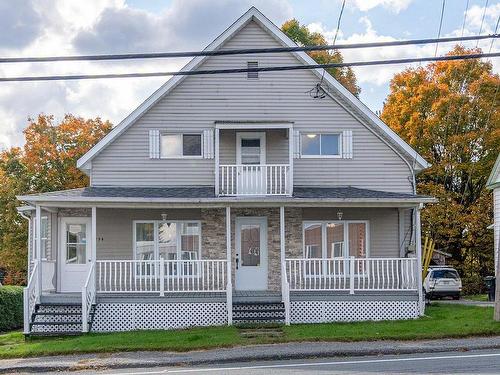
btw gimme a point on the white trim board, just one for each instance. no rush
(252, 14)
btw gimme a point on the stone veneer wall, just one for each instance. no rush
(214, 237)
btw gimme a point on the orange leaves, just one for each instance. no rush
(46, 162)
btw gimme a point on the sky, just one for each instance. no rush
(71, 27)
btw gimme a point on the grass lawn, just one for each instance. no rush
(476, 297)
(440, 321)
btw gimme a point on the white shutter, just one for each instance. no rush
(347, 144)
(296, 144)
(154, 144)
(208, 143)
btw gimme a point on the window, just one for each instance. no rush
(168, 240)
(252, 65)
(180, 145)
(250, 151)
(76, 243)
(324, 145)
(328, 239)
(44, 230)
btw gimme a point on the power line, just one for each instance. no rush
(338, 22)
(482, 20)
(465, 17)
(440, 25)
(156, 55)
(247, 70)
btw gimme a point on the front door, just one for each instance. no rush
(75, 253)
(251, 253)
(250, 158)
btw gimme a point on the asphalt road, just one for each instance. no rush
(473, 362)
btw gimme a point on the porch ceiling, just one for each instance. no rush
(205, 195)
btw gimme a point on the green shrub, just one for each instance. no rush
(473, 284)
(11, 307)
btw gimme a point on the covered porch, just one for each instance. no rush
(294, 251)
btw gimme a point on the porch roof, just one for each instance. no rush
(206, 194)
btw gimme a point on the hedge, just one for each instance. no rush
(11, 307)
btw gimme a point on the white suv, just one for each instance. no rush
(442, 282)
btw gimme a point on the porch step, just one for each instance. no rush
(58, 319)
(263, 312)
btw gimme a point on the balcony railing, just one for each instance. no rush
(254, 179)
(352, 274)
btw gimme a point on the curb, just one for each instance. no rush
(302, 350)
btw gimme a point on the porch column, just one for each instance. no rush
(285, 287)
(418, 249)
(217, 162)
(93, 255)
(38, 248)
(282, 234)
(401, 222)
(229, 285)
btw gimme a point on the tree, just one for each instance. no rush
(301, 35)
(449, 112)
(46, 162)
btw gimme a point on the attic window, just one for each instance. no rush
(252, 65)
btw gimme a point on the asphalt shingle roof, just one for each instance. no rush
(203, 192)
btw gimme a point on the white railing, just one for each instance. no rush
(88, 297)
(31, 295)
(162, 276)
(268, 179)
(352, 274)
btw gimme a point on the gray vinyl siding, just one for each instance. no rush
(115, 229)
(198, 101)
(383, 223)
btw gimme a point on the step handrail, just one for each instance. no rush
(31, 297)
(88, 297)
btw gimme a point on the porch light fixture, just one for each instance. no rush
(312, 136)
(340, 214)
(164, 216)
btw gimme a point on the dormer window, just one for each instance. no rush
(252, 65)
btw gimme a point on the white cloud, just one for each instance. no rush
(98, 26)
(395, 6)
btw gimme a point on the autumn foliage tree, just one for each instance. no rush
(46, 162)
(301, 35)
(449, 112)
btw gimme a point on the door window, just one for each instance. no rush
(250, 245)
(250, 151)
(76, 243)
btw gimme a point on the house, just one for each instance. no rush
(493, 183)
(232, 198)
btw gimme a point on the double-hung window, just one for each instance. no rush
(180, 145)
(170, 241)
(320, 145)
(334, 240)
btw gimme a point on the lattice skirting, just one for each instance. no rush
(132, 316)
(345, 311)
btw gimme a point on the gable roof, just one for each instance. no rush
(494, 179)
(255, 15)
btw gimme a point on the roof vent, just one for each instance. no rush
(252, 65)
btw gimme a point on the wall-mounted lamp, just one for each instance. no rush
(164, 216)
(340, 214)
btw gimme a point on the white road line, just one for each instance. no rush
(313, 364)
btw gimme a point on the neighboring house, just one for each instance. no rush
(493, 183)
(439, 258)
(233, 198)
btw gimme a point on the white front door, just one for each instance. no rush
(251, 253)
(74, 253)
(250, 157)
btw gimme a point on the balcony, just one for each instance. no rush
(256, 179)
